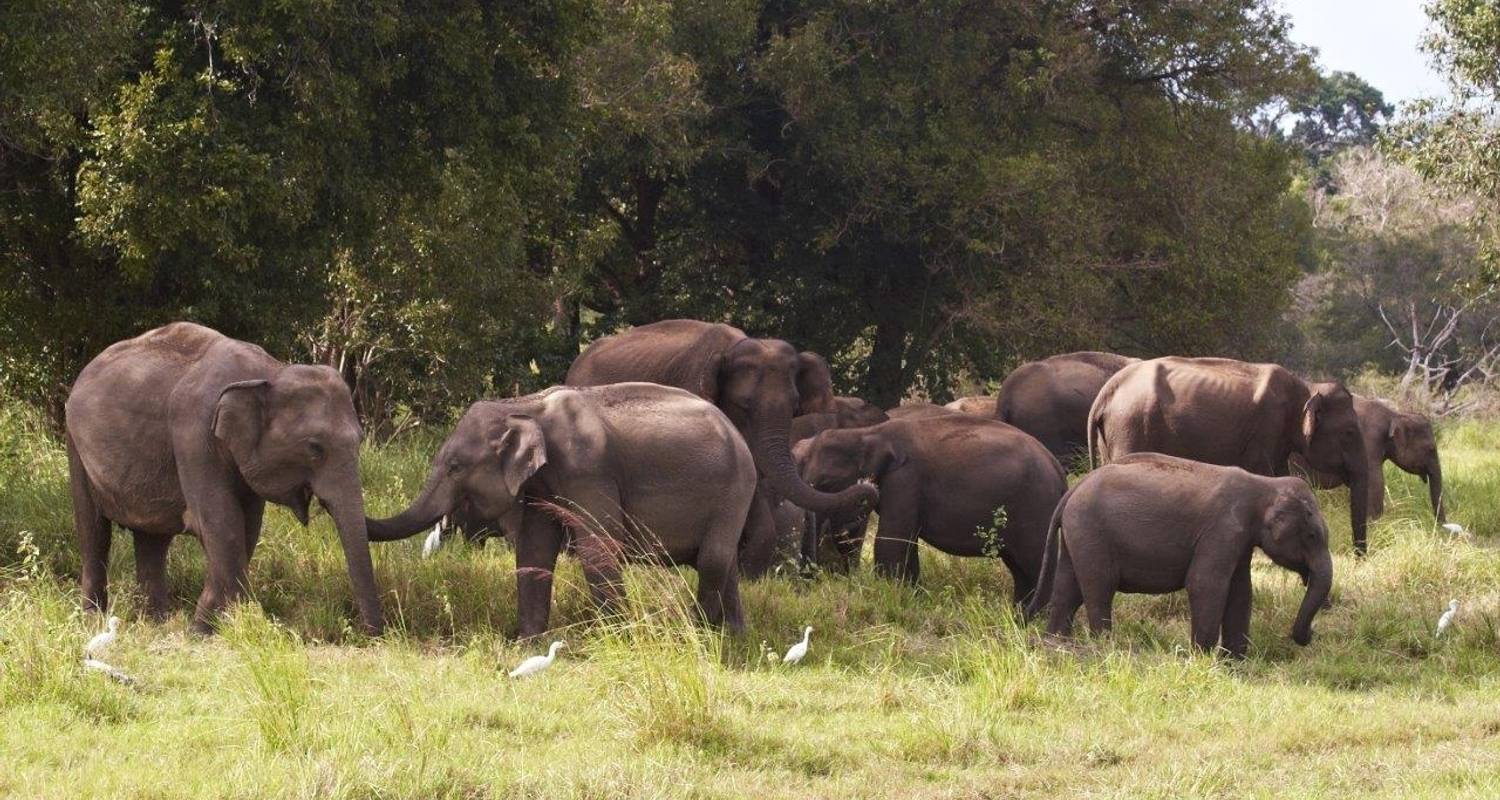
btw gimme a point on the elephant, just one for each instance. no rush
(1232, 413)
(761, 384)
(979, 406)
(841, 527)
(183, 429)
(919, 411)
(1050, 399)
(942, 479)
(1404, 439)
(628, 470)
(1153, 524)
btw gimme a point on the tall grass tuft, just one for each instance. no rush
(277, 687)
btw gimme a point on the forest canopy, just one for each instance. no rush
(448, 199)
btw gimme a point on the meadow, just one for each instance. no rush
(936, 691)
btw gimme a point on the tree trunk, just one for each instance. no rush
(885, 383)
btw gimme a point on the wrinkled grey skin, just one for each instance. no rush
(1232, 413)
(941, 479)
(1050, 399)
(626, 471)
(979, 405)
(1404, 439)
(182, 429)
(760, 384)
(1153, 524)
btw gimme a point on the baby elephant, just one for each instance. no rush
(941, 479)
(1153, 524)
(626, 470)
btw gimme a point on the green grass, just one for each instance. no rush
(936, 691)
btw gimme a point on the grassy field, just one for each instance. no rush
(932, 692)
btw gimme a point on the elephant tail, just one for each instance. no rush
(1042, 595)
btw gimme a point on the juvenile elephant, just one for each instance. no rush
(846, 530)
(629, 470)
(1402, 438)
(1050, 399)
(759, 383)
(183, 429)
(1153, 524)
(1232, 413)
(979, 406)
(941, 480)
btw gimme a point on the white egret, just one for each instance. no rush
(1447, 618)
(433, 541)
(115, 675)
(103, 639)
(799, 650)
(1454, 528)
(536, 664)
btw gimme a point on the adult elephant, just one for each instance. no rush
(942, 479)
(1232, 413)
(920, 410)
(1404, 439)
(627, 471)
(760, 384)
(1050, 399)
(183, 429)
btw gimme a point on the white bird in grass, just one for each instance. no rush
(797, 651)
(103, 639)
(1447, 618)
(536, 664)
(433, 541)
(1454, 528)
(115, 675)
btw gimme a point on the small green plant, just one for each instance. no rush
(990, 539)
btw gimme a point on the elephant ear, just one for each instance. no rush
(881, 457)
(240, 416)
(1310, 411)
(522, 450)
(814, 384)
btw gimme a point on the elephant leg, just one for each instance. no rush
(849, 540)
(1098, 590)
(1208, 598)
(1066, 596)
(254, 513)
(718, 573)
(757, 545)
(537, 545)
(896, 536)
(1236, 627)
(151, 572)
(601, 558)
(222, 531)
(93, 532)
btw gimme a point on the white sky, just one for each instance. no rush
(1375, 39)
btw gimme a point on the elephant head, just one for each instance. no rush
(481, 469)
(1330, 440)
(836, 459)
(1411, 444)
(856, 412)
(1292, 533)
(760, 384)
(293, 437)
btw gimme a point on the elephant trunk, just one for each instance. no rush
(343, 498)
(1359, 507)
(423, 513)
(773, 457)
(1435, 489)
(1319, 583)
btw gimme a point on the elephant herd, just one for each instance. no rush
(690, 443)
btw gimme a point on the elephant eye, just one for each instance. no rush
(315, 449)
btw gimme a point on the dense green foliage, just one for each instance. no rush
(444, 199)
